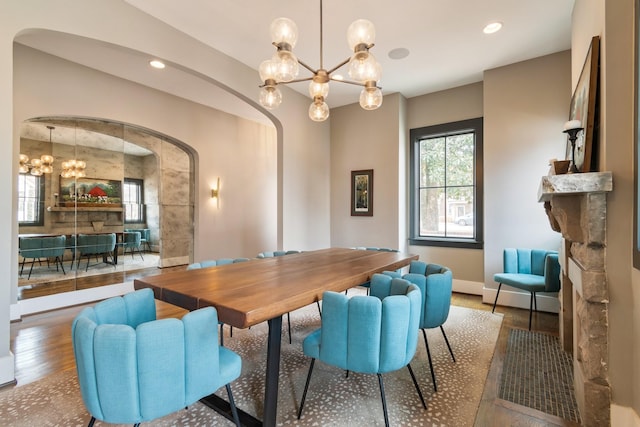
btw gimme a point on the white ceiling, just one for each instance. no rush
(444, 37)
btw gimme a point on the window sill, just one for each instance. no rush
(449, 243)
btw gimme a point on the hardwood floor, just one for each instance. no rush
(41, 345)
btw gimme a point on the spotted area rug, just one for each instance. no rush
(538, 374)
(332, 400)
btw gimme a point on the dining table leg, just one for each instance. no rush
(273, 372)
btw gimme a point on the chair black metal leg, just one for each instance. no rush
(535, 302)
(496, 300)
(531, 308)
(234, 410)
(136, 425)
(31, 269)
(306, 387)
(221, 334)
(59, 261)
(231, 331)
(91, 422)
(384, 401)
(289, 324)
(415, 383)
(447, 341)
(433, 374)
(319, 309)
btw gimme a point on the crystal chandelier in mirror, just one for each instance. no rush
(283, 68)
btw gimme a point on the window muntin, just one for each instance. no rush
(446, 202)
(133, 200)
(30, 200)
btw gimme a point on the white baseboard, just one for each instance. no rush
(67, 299)
(467, 287)
(624, 416)
(513, 298)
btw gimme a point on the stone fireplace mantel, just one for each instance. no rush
(577, 208)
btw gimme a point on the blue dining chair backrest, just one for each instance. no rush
(133, 368)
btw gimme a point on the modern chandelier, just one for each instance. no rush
(283, 68)
(36, 166)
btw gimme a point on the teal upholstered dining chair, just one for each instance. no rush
(436, 284)
(89, 245)
(34, 248)
(132, 242)
(145, 236)
(373, 334)
(133, 368)
(532, 270)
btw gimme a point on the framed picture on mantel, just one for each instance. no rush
(362, 193)
(584, 107)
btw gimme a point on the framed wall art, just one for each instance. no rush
(362, 193)
(584, 106)
(90, 192)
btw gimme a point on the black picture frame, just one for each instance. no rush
(362, 192)
(584, 105)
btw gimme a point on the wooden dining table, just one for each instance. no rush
(248, 293)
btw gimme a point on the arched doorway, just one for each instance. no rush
(132, 179)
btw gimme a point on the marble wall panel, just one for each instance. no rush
(175, 187)
(174, 157)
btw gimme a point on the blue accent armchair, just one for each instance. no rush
(368, 334)
(532, 270)
(134, 368)
(436, 284)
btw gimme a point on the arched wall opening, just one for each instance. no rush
(133, 180)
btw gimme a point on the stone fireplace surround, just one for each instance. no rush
(577, 207)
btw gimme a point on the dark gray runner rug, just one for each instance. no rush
(538, 374)
(333, 400)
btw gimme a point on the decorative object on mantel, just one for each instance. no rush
(283, 68)
(584, 106)
(573, 128)
(558, 167)
(37, 166)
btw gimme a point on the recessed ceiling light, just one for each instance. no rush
(398, 53)
(492, 28)
(157, 64)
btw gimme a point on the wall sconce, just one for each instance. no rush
(215, 193)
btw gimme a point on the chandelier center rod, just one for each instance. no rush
(321, 37)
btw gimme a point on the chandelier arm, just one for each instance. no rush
(307, 67)
(346, 61)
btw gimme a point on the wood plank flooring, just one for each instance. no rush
(41, 344)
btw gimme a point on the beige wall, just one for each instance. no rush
(367, 140)
(525, 108)
(446, 106)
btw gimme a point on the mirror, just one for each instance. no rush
(89, 205)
